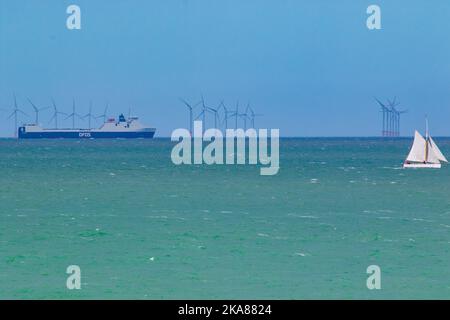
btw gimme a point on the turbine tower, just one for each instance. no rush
(203, 113)
(89, 114)
(228, 114)
(236, 114)
(386, 119)
(103, 115)
(245, 117)
(396, 116)
(253, 115)
(73, 114)
(216, 115)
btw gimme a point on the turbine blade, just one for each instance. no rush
(380, 103)
(18, 110)
(32, 104)
(186, 103)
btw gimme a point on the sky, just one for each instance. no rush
(311, 67)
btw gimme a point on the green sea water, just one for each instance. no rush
(140, 227)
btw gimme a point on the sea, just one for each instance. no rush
(140, 227)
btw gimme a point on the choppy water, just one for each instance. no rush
(141, 227)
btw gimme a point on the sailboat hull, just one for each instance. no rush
(422, 165)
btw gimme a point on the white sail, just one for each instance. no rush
(431, 154)
(417, 153)
(436, 151)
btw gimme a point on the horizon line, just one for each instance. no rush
(281, 137)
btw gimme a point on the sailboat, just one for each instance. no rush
(424, 152)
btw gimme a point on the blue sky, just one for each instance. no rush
(311, 67)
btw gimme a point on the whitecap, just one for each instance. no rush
(301, 254)
(303, 216)
(157, 217)
(421, 219)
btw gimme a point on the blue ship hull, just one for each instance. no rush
(84, 134)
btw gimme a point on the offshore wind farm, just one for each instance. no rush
(391, 118)
(221, 114)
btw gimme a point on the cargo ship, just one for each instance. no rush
(124, 128)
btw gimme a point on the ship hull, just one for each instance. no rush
(422, 165)
(23, 134)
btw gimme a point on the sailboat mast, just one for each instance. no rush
(427, 139)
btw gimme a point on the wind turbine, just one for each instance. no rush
(386, 117)
(89, 114)
(104, 113)
(245, 117)
(36, 110)
(216, 115)
(397, 114)
(393, 118)
(73, 114)
(253, 115)
(191, 108)
(14, 113)
(55, 114)
(227, 112)
(203, 112)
